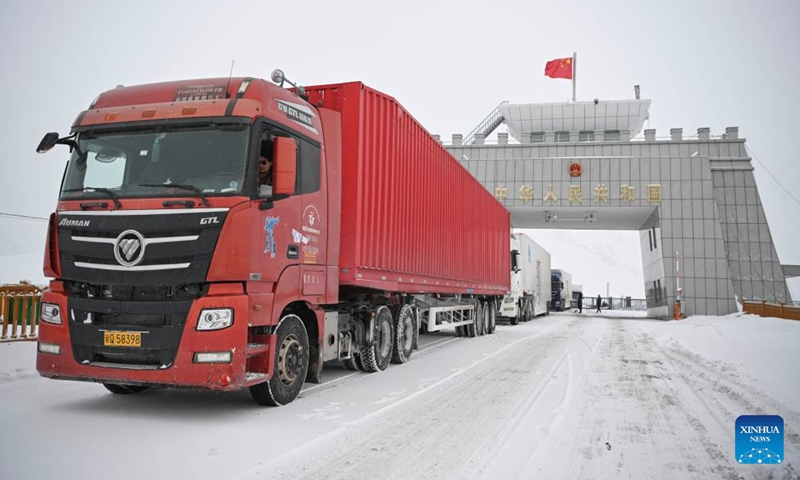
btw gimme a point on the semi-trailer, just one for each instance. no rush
(172, 266)
(561, 288)
(530, 280)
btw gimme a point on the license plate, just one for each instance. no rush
(122, 339)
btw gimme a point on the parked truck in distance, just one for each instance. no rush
(530, 287)
(577, 291)
(177, 262)
(561, 287)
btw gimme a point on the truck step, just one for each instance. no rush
(252, 378)
(254, 349)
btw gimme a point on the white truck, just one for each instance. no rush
(530, 288)
(561, 288)
(577, 290)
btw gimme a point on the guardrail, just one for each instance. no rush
(20, 306)
(764, 309)
(613, 303)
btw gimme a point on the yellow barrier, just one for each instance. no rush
(20, 306)
(765, 309)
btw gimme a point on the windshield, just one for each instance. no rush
(210, 159)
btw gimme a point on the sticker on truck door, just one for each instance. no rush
(269, 244)
(311, 232)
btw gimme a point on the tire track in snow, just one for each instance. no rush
(435, 432)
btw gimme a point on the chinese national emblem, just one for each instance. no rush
(575, 169)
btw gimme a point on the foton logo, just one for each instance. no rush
(129, 248)
(68, 222)
(759, 439)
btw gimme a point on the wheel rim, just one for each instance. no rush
(290, 359)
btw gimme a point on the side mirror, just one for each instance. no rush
(49, 141)
(284, 173)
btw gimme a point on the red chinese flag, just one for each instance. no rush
(559, 68)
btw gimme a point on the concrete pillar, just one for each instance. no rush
(704, 133)
(573, 137)
(502, 139)
(599, 136)
(732, 133)
(458, 139)
(676, 134)
(650, 135)
(624, 135)
(480, 138)
(549, 137)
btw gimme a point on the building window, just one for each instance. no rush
(586, 136)
(650, 236)
(612, 136)
(655, 242)
(537, 137)
(562, 136)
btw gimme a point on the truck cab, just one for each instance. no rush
(163, 238)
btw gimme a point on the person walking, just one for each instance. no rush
(599, 301)
(580, 302)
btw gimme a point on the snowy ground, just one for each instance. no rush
(564, 396)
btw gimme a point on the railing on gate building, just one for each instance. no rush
(20, 307)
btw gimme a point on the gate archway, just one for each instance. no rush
(574, 166)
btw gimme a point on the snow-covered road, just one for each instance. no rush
(563, 396)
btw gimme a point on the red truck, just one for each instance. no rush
(172, 266)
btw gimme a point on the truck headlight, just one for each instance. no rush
(215, 319)
(51, 313)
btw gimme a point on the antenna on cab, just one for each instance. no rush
(227, 92)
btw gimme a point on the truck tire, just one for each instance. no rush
(353, 363)
(480, 321)
(471, 330)
(291, 364)
(528, 311)
(403, 316)
(377, 357)
(492, 317)
(120, 389)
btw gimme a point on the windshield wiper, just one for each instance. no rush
(190, 188)
(108, 192)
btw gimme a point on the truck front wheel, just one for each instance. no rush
(291, 365)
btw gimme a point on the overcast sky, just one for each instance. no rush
(704, 64)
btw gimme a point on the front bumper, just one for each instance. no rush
(83, 355)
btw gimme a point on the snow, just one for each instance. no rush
(568, 395)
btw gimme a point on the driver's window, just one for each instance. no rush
(265, 163)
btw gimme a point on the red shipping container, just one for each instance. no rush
(413, 218)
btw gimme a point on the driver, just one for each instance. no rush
(265, 165)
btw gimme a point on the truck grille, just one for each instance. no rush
(160, 324)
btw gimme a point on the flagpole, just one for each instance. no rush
(574, 74)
